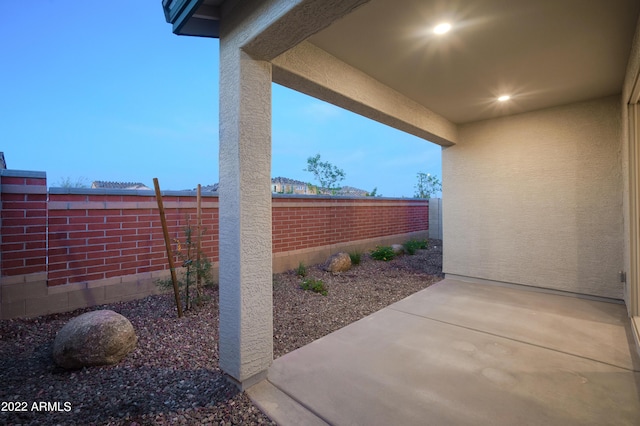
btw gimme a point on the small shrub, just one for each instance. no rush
(185, 279)
(355, 257)
(383, 253)
(196, 273)
(317, 286)
(301, 270)
(412, 245)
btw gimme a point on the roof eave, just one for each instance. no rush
(193, 17)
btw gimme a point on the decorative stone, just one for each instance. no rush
(398, 249)
(94, 338)
(338, 262)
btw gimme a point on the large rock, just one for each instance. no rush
(95, 338)
(338, 262)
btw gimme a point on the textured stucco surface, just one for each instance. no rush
(251, 31)
(301, 20)
(310, 70)
(246, 312)
(536, 199)
(267, 28)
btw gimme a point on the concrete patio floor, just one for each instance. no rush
(460, 353)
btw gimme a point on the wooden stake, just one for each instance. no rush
(167, 243)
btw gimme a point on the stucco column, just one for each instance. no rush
(246, 308)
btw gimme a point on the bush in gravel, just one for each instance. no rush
(383, 253)
(301, 270)
(317, 286)
(196, 270)
(412, 245)
(355, 257)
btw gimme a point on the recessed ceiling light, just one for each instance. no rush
(442, 28)
(504, 98)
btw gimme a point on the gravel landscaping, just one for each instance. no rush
(173, 377)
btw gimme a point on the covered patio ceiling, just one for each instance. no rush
(541, 53)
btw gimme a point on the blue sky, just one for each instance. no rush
(105, 91)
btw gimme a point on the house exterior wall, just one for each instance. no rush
(536, 199)
(85, 247)
(631, 184)
(279, 187)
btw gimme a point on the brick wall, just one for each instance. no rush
(94, 235)
(304, 222)
(81, 240)
(23, 220)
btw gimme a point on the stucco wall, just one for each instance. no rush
(536, 199)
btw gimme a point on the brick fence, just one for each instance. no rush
(61, 249)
